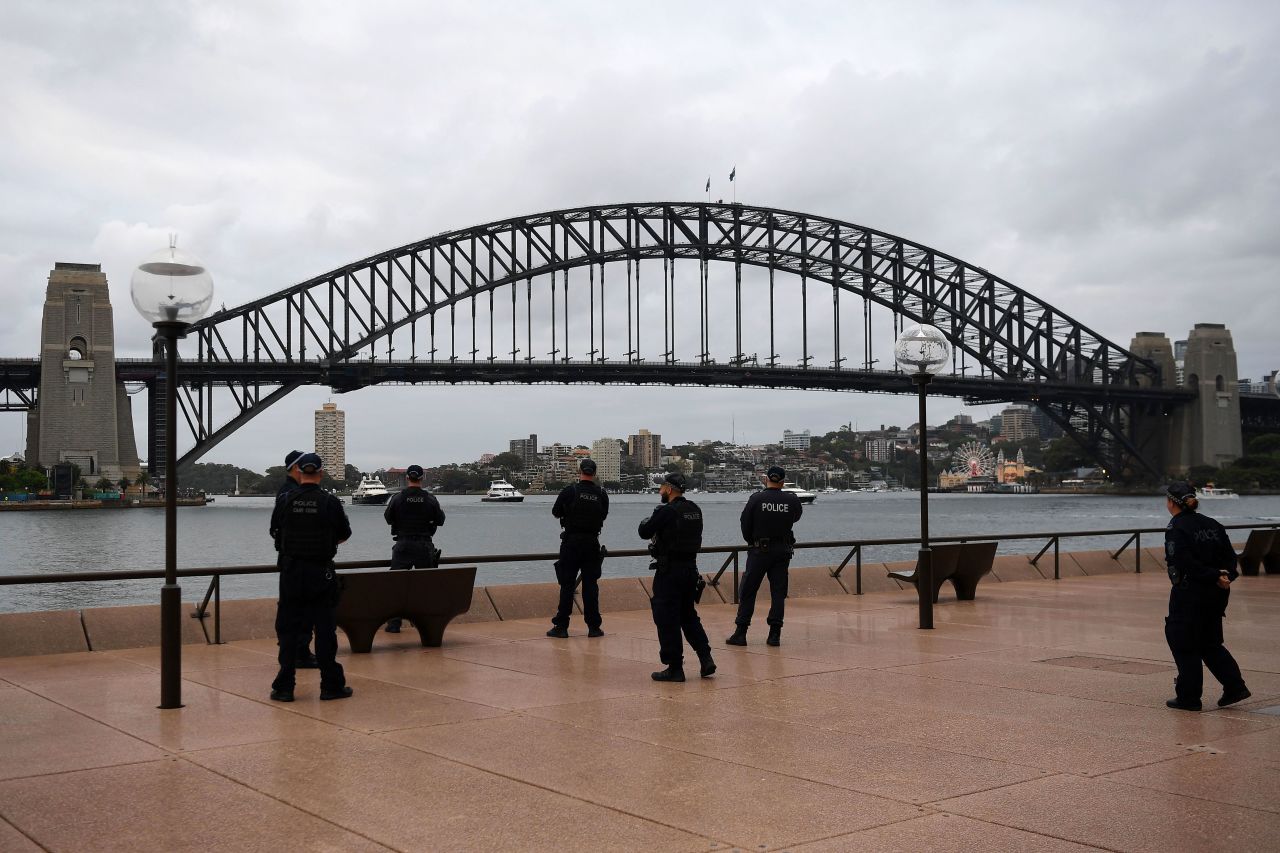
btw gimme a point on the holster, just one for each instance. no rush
(698, 587)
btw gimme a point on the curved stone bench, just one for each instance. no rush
(429, 598)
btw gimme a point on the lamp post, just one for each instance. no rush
(923, 350)
(171, 290)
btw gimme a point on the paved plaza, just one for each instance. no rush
(1030, 719)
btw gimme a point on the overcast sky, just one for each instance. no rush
(1119, 160)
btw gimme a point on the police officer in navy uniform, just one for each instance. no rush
(766, 526)
(305, 659)
(582, 509)
(675, 534)
(414, 514)
(1202, 565)
(311, 525)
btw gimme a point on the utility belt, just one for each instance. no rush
(767, 544)
(413, 537)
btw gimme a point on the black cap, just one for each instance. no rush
(776, 474)
(1181, 492)
(676, 480)
(414, 472)
(290, 458)
(309, 463)
(587, 466)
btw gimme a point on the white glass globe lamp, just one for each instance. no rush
(171, 286)
(922, 349)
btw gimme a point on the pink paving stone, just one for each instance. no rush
(975, 703)
(167, 805)
(1120, 817)
(134, 627)
(48, 633)
(525, 600)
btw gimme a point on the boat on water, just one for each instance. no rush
(805, 496)
(1209, 493)
(500, 491)
(370, 492)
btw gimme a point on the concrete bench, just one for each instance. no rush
(964, 565)
(429, 598)
(1261, 549)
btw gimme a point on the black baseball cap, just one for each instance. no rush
(414, 472)
(587, 466)
(309, 463)
(776, 474)
(676, 480)
(290, 458)
(1180, 492)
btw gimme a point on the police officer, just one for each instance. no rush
(766, 526)
(414, 514)
(582, 509)
(311, 525)
(1202, 565)
(305, 659)
(675, 534)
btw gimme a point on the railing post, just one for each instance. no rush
(735, 575)
(858, 570)
(217, 610)
(1137, 553)
(1056, 549)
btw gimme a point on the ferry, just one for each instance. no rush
(1209, 493)
(500, 491)
(806, 497)
(370, 492)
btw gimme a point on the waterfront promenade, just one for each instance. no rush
(1031, 719)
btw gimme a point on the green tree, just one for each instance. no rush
(509, 461)
(103, 485)
(1264, 444)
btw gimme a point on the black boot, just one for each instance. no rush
(739, 637)
(775, 635)
(708, 668)
(558, 632)
(673, 672)
(1230, 697)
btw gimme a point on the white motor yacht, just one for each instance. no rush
(500, 491)
(370, 492)
(1209, 493)
(805, 496)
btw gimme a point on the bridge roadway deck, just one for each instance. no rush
(1031, 719)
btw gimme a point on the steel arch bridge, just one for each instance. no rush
(545, 298)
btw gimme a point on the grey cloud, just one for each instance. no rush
(1118, 163)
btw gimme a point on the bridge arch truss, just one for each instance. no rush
(560, 296)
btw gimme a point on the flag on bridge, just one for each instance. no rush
(733, 174)
(708, 189)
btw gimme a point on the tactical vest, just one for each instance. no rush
(586, 512)
(684, 538)
(414, 513)
(305, 533)
(772, 518)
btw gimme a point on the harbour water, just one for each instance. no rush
(233, 531)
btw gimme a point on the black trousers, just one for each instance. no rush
(771, 563)
(304, 639)
(1196, 638)
(411, 552)
(307, 599)
(674, 612)
(579, 553)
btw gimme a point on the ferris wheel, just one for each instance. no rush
(974, 459)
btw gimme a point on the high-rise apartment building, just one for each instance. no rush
(608, 458)
(880, 450)
(331, 439)
(526, 449)
(645, 449)
(1016, 424)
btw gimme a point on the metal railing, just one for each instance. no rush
(732, 560)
